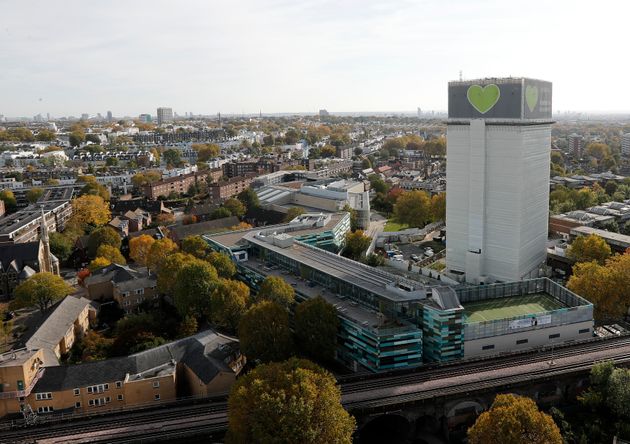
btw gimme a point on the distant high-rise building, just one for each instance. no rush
(110, 117)
(323, 113)
(145, 118)
(575, 145)
(497, 178)
(85, 116)
(419, 112)
(625, 144)
(164, 115)
(47, 116)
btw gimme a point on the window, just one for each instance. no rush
(99, 401)
(157, 397)
(77, 392)
(584, 330)
(98, 388)
(140, 291)
(121, 397)
(125, 294)
(45, 409)
(156, 384)
(118, 384)
(522, 341)
(77, 405)
(40, 396)
(488, 347)
(555, 335)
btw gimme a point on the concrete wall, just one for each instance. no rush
(535, 338)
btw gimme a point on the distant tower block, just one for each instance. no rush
(164, 115)
(497, 187)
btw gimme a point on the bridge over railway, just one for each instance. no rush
(440, 400)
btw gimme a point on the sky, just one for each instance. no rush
(207, 56)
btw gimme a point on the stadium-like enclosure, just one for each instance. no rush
(507, 317)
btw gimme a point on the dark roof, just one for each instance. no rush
(204, 353)
(183, 231)
(20, 254)
(151, 206)
(119, 274)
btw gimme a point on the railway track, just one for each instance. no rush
(365, 392)
(354, 384)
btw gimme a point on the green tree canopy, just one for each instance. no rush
(264, 332)
(196, 246)
(7, 196)
(249, 198)
(169, 269)
(357, 244)
(236, 207)
(223, 264)
(61, 245)
(103, 236)
(228, 303)
(34, 194)
(285, 403)
(316, 325)
(195, 283)
(276, 289)
(413, 208)
(41, 290)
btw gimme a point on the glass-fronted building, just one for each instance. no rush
(390, 322)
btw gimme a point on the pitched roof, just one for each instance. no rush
(120, 275)
(57, 323)
(204, 353)
(19, 254)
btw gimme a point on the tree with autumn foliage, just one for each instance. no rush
(290, 402)
(41, 290)
(158, 251)
(516, 420)
(140, 249)
(98, 262)
(589, 248)
(606, 286)
(90, 210)
(168, 270)
(223, 264)
(112, 254)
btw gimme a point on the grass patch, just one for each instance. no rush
(392, 225)
(508, 307)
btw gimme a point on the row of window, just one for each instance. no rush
(40, 396)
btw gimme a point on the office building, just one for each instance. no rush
(110, 117)
(389, 322)
(575, 145)
(164, 115)
(144, 118)
(625, 145)
(498, 150)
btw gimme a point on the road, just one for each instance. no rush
(377, 225)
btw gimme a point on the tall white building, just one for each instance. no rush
(625, 145)
(164, 115)
(498, 154)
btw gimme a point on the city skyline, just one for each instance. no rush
(293, 57)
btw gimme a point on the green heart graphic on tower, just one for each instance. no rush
(531, 97)
(483, 98)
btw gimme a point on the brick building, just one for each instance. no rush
(178, 185)
(223, 190)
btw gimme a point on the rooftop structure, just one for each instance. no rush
(24, 225)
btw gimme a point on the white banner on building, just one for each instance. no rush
(529, 322)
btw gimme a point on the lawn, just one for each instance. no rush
(501, 308)
(392, 225)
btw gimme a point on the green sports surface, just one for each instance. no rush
(501, 308)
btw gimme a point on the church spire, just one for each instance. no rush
(46, 264)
